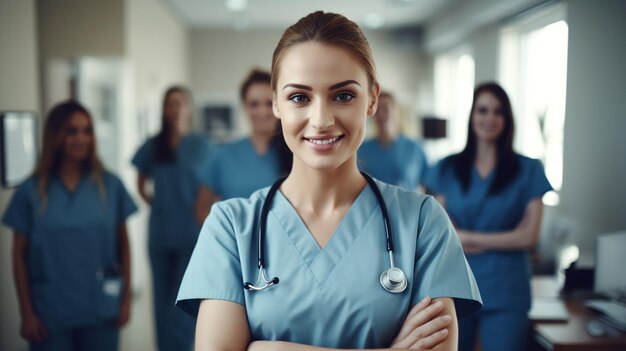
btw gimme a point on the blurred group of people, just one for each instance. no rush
(71, 252)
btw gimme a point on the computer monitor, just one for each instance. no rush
(610, 275)
(18, 139)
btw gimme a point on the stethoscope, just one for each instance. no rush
(393, 279)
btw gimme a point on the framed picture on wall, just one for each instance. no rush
(217, 121)
(18, 140)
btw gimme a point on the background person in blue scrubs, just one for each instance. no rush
(391, 156)
(325, 232)
(70, 250)
(240, 167)
(173, 160)
(493, 196)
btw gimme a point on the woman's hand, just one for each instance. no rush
(32, 329)
(468, 245)
(124, 315)
(422, 329)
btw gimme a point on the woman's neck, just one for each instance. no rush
(386, 136)
(323, 191)
(261, 142)
(177, 135)
(70, 172)
(486, 157)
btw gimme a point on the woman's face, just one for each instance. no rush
(176, 110)
(258, 106)
(386, 116)
(487, 118)
(78, 139)
(322, 99)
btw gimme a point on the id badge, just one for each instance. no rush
(112, 286)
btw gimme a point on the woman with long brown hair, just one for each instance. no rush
(172, 160)
(493, 196)
(297, 266)
(70, 251)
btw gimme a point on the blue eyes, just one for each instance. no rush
(341, 97)
(298, 98)
(344, 97)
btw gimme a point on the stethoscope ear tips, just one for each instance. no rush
(275, 280)
(393, 280)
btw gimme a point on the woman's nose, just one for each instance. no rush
(321, 116)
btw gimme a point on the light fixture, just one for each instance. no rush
(236, 5)
(373, 20)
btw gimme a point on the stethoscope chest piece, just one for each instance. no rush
(393, 280)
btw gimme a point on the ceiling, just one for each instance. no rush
(282, 13)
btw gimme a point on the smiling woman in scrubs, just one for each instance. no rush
(325, 233)
(493, 197)
(173, 160)
(390, 156)
(70, 249)
(239, 168)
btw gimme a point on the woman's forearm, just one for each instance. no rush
(124, 250)
(141, 188)
(20, 274)
(524, 236)
(290, 346)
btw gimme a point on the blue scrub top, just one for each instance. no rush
(173, 224)
(329, 297)
(72, 240)
(503, 276)
(401, 163)
(237, 170)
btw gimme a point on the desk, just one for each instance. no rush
(570, 335)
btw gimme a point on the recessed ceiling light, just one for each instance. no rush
(236, 5)
(373, 20)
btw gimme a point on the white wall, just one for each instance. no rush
(19, 89)
(594, 166)
(69, 29)
(156, 52)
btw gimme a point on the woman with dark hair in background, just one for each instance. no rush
(326, 227)
(71, 254)
(493, 196)
(173, 160)
(239, 168)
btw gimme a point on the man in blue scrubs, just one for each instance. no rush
(391, 156)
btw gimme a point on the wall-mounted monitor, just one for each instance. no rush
(18, 139)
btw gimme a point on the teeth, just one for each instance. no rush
(324, 141)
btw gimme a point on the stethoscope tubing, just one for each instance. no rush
(393, 287)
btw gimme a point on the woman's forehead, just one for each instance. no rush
(319, 65)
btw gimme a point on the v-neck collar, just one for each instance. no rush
(321, 261)
(71, 193)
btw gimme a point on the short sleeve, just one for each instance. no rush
(144, 158)
(214, 271)
(19, 213)
(432, 179)
(210, 175)
(125, 206)
(422, 163)
(538, 184)
(441, 269)
(205, 153)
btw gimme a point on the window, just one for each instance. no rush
(533, 70)
(454, 84)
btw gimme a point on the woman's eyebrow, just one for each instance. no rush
(343, 84)
(332, 87)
